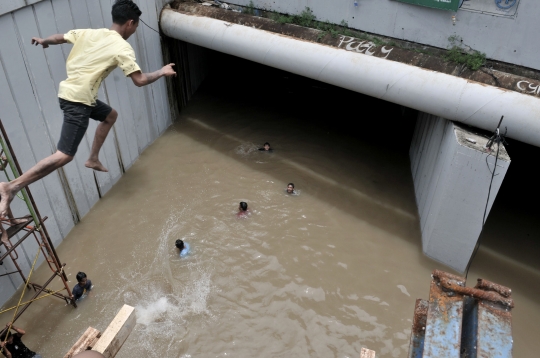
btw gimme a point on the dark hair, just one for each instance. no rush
(80, 276)
(291, 184)
(125, 10)
(266, 143)
(4, 336)
(243, 205)
(179, 244)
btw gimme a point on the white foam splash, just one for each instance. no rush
(153, 311)
(403, 290)
(245, 149)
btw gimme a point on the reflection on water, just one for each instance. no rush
(321, 274)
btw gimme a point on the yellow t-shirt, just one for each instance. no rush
(94, 55)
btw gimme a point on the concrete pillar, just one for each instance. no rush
(452, 172)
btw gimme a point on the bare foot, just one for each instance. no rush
(4, 238)
(93, 164)
(20, 220)
(3, 162)
(6, 195)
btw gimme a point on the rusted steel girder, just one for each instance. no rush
(445, 311)
(462, 322)
(456, 284)
(418, 331)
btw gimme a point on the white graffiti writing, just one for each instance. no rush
(530, 87)
(365, 47)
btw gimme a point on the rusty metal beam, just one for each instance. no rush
(443, 327)
(418, 331)
(45, 243)
(462, 321)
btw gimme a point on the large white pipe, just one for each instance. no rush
(428, 91)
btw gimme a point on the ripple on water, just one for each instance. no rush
(246, 149)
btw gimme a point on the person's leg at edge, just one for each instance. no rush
(43, 168)
(102, 131)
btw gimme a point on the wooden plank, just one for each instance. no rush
(116, 334)
(367, 353)
(85, 342)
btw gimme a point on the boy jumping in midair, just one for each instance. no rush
(96, 52)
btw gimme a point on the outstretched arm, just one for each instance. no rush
(142, 79)
(51, 40)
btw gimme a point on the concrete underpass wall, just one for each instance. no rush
(193, 65)
(451, 178)
(29, 78)
(509, 39)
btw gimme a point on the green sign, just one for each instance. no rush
(437, 4)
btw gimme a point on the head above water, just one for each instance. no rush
(243, 206)
(3, 338)
(125, 16)
(266, 146)
(179, 244)
(290, 188)
(81, 278)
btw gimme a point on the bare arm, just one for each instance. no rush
(142, 79)
(4, 350)
(20, 331)
(51, 40)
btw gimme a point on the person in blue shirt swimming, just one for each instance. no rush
(183, 247)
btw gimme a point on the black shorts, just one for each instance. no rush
(76, 118)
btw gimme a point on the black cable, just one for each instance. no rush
(150, 27)
(495, 138)
(487, 164)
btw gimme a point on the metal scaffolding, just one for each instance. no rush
(32, 225)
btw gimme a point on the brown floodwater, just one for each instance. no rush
(321, 274)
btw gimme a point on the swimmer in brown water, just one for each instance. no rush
(266, 148)
(290, 189)
(243, 211)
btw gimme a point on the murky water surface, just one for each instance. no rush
(320, 274)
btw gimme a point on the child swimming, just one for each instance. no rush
(183, 247)
(266, 147)
(83, 286)
(243, 211)
(290, 189)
